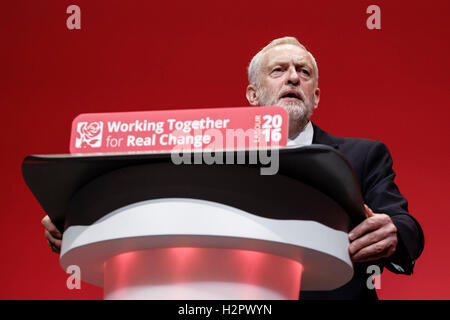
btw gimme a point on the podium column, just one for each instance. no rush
(195, 249)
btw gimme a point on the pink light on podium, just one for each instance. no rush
(201, 273)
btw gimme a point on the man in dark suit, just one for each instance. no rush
(285, 74)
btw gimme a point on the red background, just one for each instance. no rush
(390, 84)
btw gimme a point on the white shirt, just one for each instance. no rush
(303, 138)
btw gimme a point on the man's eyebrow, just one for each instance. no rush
(304, 64)
(284, 62)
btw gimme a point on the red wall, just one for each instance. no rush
(390, 84)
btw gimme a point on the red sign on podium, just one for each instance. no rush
(175, 130)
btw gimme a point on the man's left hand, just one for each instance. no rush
(374, 238)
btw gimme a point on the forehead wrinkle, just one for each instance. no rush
(285, 58)
(297, 62)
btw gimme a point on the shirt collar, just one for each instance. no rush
(303, 138)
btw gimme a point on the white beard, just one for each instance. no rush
(298, 111)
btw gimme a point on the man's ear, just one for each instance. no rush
(316, 97)
(251, 95)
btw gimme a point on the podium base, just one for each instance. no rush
(135, 251)
(201, 274)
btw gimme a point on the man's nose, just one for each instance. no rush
(293, 77)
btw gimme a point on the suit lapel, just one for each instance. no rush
(321, 137)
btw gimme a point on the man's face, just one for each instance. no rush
(286, 79)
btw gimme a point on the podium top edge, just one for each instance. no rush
(164, 154)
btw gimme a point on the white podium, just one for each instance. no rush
(143, 228)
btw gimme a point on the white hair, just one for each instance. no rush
(255, 63)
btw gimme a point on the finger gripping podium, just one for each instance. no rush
(144, 228)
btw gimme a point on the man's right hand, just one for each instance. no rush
(53, 235)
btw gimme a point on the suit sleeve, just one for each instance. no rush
(382, 195)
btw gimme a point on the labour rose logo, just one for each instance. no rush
(89, 134)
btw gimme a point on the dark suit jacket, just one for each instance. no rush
(372, 164)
